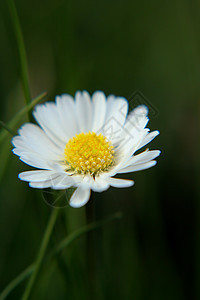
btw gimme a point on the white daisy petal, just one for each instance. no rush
(83, 111)
(62, 182)
(32, 138)
(143, 157)
(99, 111)
(117, 108)
(116, 113)
(135, 124)
(67, 114)
(130, 145)
(138, 167)
(41, 184)
(80, 197)
(56, 181)
(34, 161)
(49, 119)
(40, 175)
(61, 186)
(137, 120)
(148, 138)
(133, 133)
(120, 183)
(35, 148)
(99, 185)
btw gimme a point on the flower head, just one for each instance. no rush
(84, 142)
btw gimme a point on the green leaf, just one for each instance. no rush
(16, 119)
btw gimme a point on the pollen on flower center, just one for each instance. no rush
(89, 153)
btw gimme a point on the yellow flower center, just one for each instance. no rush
(89, 153)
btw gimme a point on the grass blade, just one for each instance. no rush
(16, 119)
(61, 246)
(22, 51)
(12, 132)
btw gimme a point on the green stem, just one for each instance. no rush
(41, 253)
(62, 245)
(6, 127)
(87, 228)
(15, 282)
(22, 51)
(90, 249)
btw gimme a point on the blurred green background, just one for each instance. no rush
(119, 47)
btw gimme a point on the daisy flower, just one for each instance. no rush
(83, 142)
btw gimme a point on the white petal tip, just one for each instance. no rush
(120, 183)
(159, 152)
(20, 176)
(154, 162)
(80, 197)
(141, 110)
